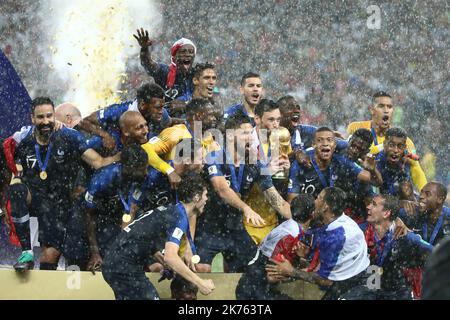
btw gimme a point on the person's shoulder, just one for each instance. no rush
(333, 234)
(113, 169)
(231, 110)
(353, 126)
(175, 129)
(119, 105)
(24, 133)
(307, 128)
(446, 212)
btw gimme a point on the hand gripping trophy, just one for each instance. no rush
(280, 143)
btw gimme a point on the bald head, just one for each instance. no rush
(68, 114)
(133, 127)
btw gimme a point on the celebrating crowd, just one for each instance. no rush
(177, 175)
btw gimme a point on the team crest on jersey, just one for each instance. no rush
(212, 170)
(177, 233)
(137, 194)
(88, 197)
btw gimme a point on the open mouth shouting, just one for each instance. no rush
(255, 97)
(325, 152)
(186, 64)
(394, 158)
(385, 121)
(210, 90)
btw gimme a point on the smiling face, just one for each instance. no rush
(138, 130)
(324, 144)
(381, 111)
(429, 199)
(205, 83)
(185, 58)
(43, 117)
(252, 91)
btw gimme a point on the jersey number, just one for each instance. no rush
(308, 189)
(32, 160)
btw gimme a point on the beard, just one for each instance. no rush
(45, 133)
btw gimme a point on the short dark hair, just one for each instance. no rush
(179, 284)
(440, 189)
(363, 134)
(380, 94)
(38, 101)
(133, 155)
(236, 120)
(147, 91)
(335, 198)
(396, 132)
(302, 207)
(190, 186)
(249, 75)
(197, 105)
(392, 204)
(265, 105)
(283, 103)
(322, 129)
(200, 67)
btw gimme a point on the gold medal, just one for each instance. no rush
(126, 218)
(195, 259)
(43, 175)
(19, 167)
(380, 271)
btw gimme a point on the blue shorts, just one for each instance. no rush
(130, 286)
(52, 218)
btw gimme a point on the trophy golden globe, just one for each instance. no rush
(280, 144)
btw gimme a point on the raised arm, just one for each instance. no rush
(145, 42)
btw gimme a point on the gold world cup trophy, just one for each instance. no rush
(280, 143)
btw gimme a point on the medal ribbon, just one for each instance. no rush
(41, 165)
